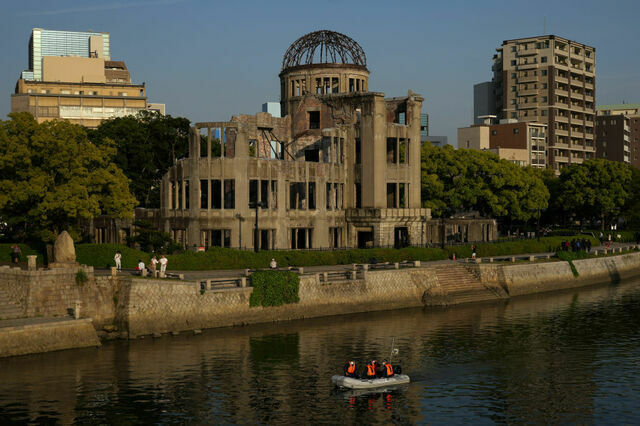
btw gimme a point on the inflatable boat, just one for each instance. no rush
(382, 382)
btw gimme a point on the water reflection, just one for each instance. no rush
(568, 357)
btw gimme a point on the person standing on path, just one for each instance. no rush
(163, 265)
(153, 265)
(118, 260)
(15, 253)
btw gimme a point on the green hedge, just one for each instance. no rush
(274, 288)
(5, 252)
(101, 255)
(570, 256)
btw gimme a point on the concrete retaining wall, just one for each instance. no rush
(156, 306)
(53, 292)
(33, 336)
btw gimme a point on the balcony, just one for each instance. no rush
(560, 79)
(562, 132)
(577, 121)
(577, 94)
(561, 92)
(588, 85)
(528, 92)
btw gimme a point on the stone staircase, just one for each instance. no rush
(458, 284)
(8, 309)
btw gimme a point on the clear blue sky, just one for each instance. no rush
(208, 60)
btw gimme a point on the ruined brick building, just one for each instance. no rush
(341, 168)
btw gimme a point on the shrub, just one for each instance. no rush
(570, 256)
(274, 288)
(81, 277)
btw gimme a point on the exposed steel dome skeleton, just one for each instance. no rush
(324, 47)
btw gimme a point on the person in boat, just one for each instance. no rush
(377, 368)
(350, 369)
(370, 370)
(387, 369)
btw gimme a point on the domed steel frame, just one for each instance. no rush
(331, 46)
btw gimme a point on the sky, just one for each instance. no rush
(208, 60)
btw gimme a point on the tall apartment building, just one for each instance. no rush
(551, 80)
(71, 76)
(618, 133)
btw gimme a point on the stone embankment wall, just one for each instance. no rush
(159, 306)
(54, 293)
(529, 278)
(22, 337)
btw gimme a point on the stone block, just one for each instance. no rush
(513, 259)
(532, 258)
(31, 262)
(478, 260)
(416, 263)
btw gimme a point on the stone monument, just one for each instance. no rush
(64, 252)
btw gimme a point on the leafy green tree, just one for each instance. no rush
(150, 239)
(595, 189)
(147, 145)
(632, 206)
(52, 176)
(466, 180)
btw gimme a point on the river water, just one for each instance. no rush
(571, 357)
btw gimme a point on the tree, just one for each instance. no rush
(595, 188)
(465, 180)
(632, 206)
(52, 176)
(147, 145)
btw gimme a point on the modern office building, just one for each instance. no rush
(272, 108)
(484, 102)
(618, 133)
(520, 142)
(71, 76)
(439, 141)
(550, 80)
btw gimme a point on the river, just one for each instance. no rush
(570, 357)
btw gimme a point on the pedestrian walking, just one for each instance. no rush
(118, 259)
(140, 267)
(15, 253)
(163, 265)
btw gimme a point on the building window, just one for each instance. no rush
(513, 62)
(314, 119)
(543, 72)
(516, 131)
(229, 194)
(392, 151)
(494, 132)
(543, 59)
(513, 75)
(358, 151)
(514, 88)
(301, 238)
(391, 196)
(204, 194)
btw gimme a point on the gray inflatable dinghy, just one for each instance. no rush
(351, 383)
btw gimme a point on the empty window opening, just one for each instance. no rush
(274, 194)
(229, 194)
(351, 85)
(400, 236)
(318, 86)
(391, 196)
(253, 193)
(358, 196)
(392, 150)
(186, 194)
(297, 195)
(220, 238)
(204, 194)
(216, 194)
(335, 237)
(327, 85)
(264, 194)
(357, 85)
(301, 238)
(312, 195)
(358, 151)
(335, 85)
(314, 119)
(402, 196)
(312, 155)
(402, 151)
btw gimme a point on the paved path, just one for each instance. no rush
(235, 273)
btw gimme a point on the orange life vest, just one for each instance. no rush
(389, 369)
(351, 369)
(371, 371)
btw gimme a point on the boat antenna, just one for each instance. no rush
(394, 351)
